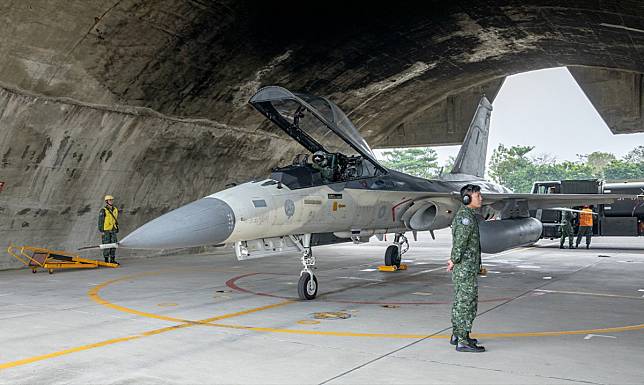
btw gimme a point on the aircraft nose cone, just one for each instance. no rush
(208, 221)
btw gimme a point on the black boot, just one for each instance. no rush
(588, 246)
(113, 260)
(454, 340)
(469, 348)
(107, 260)
(561, 246)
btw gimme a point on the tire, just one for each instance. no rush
(392, 258)
(306, 289)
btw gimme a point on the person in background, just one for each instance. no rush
(108, 226)
(585, 225)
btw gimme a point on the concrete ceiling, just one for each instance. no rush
(408, 73)
(383, 63)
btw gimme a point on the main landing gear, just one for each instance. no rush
(307, 286)
(393, 254)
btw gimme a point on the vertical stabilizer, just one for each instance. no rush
(471, 159)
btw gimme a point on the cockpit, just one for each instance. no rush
(338, 153)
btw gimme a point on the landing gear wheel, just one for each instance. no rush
(307, 288)
(392, 258)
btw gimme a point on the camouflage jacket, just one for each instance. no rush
(566, 219)
(466, 242)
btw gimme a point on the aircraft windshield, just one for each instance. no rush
(315, 122)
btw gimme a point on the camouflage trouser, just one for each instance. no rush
(109, 237)
(465, 304)
(587, 231)
(566, 232)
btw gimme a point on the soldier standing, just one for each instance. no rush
(108, 225)
(465, 262)
(566, 229)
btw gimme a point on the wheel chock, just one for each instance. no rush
(392, 268)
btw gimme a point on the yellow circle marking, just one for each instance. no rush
(210, 322)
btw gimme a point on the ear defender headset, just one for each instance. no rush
(467, 191)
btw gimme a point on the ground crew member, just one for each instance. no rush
(465, 263)
(585, 225)
(108, 225)
(566, 229)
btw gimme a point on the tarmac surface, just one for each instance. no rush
(545, 316)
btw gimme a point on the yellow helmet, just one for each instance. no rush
(108, 197)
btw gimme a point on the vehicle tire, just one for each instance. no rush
(307, 289)
(392, 258)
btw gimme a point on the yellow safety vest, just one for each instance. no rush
(110, 221)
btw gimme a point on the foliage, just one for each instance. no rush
(513, 168)
(419, 161)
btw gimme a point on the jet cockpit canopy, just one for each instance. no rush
(316, 123)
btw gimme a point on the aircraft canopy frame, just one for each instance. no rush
(326, 122)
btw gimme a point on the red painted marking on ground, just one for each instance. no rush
(232, 283)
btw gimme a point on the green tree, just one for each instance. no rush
(636, 155)
(420, 161)
(622, 169)
(512, 168)
(448, 166)
(598, 161)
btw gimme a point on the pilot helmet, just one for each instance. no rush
(319, 158)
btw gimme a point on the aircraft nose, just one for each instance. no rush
(208, 221)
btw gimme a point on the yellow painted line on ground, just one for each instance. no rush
(93, 294)
(210, 322)
(30, 360)
(437, 336)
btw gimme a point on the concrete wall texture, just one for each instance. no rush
(147, 100)
(59, 158)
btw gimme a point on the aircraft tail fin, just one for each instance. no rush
(472, 156)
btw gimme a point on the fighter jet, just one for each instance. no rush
(338, 192)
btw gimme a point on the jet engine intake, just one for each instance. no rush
(423, 218)
(500, 235)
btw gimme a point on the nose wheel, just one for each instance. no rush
(393, 254)
(307, 287)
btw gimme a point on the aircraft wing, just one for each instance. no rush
(416, 213)
(545, 201)
(518, 205)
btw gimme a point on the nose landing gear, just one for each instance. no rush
(307, 286)
(393, 254)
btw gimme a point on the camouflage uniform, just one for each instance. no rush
(466, 256)
(325, 171)
(566, 229)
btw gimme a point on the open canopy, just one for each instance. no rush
(315, 122)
